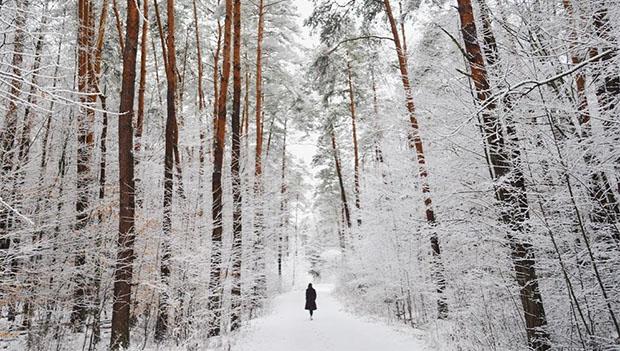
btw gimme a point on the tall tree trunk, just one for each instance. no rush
(215, 282)
(490, 44)
(343, 193)
(181, 77)
(582, 228)
(96, 310)
(512, 195)
(162, 39)
(259, 262)
(375, 109)
(607, 92)
(103, 149)
(103, 18)
(402, 27)
(283, 220)
(356, 157)
(24, 141)
(119, 25)
(608, 87)
(23, 158)
(126, 233)
(141, 93)
(201, 96)
(102, 97)
(46, 137)
(416, 143)
(161, 327)
(234, 170)
(216, 74)
(201, 103)
(605, 205)
(8, 138)
(9, 132)
(340, 219)
(42, 202)
(245, 125)
(85, 147)
(7, 142)
(156, 62)
(270, 134)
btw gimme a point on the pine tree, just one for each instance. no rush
(237, 245)
(215, 282)
(513, 195)
(123, 272)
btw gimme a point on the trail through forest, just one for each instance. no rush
(169, 167)
(288, 327)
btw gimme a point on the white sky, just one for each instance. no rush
(305, 149)
(304, 8)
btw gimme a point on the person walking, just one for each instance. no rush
(310, 299)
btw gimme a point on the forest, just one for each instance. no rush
(170, 168)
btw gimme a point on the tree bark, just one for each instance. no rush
(201, 103)
(162, 39)
(605, 202)
(375, 108)
(119, 25)
(141, 93)
(102, 99)
(85, 148)
(23, 158)
(9, 132)
(161, 326)
(126, 233)
(7, 145)
(608, 90)
(259, 85)
(234, 170)
(505, 165)
(343, 193)
(417, 144)
(103, 149)
(24, 143)
(215, 282)
(356, 157)
(245, 125)
(201, 97)
(490, 44)
(259, 262)
(283, 236)
(402, 27)
(216, 74)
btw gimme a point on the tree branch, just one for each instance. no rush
(365, 37)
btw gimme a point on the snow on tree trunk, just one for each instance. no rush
(415, 140)
(215, 282)
(237, 240)
(506, 165)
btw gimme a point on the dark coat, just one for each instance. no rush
(311, 299)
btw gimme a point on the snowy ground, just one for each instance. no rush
(288, 328)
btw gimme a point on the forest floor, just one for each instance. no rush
(288, 327)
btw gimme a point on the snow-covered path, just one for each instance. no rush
(288, 328)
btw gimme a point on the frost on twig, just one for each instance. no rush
(16, 211)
